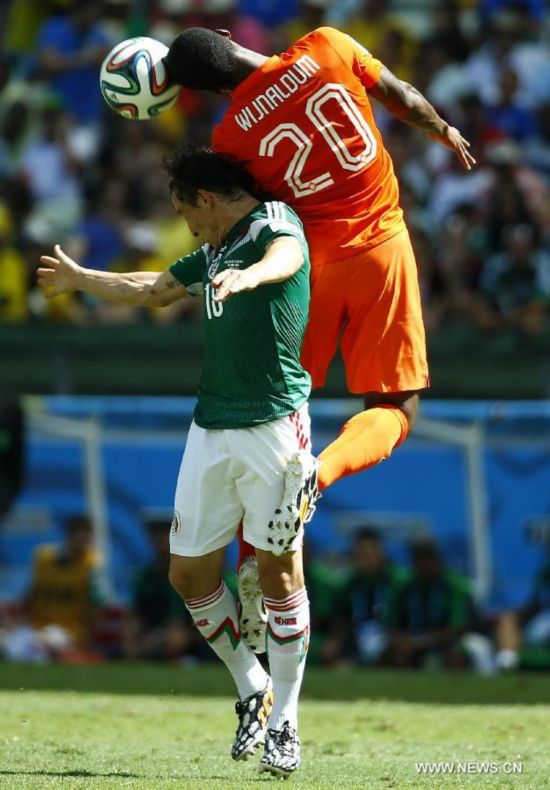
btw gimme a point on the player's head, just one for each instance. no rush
(78, 534)
(159, 536)
(203, 185)
(368, 553)
(204, 59)
(425, 558)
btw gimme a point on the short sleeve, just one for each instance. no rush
(189, 271)
(277, 220)
(354, 55)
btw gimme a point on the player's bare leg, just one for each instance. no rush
(287, 644)
(199, 582)
(370, 436)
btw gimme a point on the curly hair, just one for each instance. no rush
(193, 167)
(202, 59)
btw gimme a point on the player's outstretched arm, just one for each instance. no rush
(284, 257)
(60, 274)
(409, 105)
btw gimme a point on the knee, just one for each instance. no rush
(407, 402)
(280, 578)
(183, 579)
(409, 407)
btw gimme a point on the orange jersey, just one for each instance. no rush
(303, 125)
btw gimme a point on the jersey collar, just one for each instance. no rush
(249, 83)
(239, 228)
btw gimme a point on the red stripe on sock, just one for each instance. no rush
(206, 600)
(292, 602)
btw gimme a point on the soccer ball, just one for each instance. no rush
(133, 79)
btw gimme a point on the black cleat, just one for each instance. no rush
(253, 713)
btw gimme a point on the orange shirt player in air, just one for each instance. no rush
(302, 122)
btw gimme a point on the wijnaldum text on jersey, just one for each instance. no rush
(304, 68)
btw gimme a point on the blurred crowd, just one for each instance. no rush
(73, 172)
(366, 610)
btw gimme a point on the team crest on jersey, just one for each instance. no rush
(176, 523)
(213, 268)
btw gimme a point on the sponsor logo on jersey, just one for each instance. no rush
(176, 523)
(200, 623)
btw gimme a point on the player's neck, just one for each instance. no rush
(248, 62)
(231, 214)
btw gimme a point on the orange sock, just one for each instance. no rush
(245, 549)
(365, 440)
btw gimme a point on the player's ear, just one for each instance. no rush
(205, 199)
(222, 32)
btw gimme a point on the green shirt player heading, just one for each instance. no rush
(252, 373)
(247, 457)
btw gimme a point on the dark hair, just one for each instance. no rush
(366, 533)
(202, 59)
(193, 167)
(77, 522)
(423, 547)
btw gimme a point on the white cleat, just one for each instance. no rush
(282, 752)
(298, 504)
(253, 616)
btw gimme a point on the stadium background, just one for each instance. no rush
(100, 433)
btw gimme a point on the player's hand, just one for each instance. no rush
(59, 274)
(233, 281)
(452, 139)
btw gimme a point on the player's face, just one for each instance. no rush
(200, 219)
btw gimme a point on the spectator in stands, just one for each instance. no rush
(515, 285)
(14, 125)
(382, 32)
(506, 113)
(446, 32)
(71, 48)
(13, 274)
(60, 608)
(366, 599)
(53, 176)
(430, 613)
(526, 631)
(324, 585)
(100, 234)
(538, 147)
(158, 626)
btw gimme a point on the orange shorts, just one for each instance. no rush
(370, 303)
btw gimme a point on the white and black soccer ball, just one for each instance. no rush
(133, 79)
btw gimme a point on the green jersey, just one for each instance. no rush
(252, 372)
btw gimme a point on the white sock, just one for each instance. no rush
(287, 646)
(215, 616)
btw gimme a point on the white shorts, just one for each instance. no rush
(230, 476)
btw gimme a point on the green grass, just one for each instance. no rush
(169, 727)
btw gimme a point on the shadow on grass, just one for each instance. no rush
(83, 774)
(73, 774)
(323, 685)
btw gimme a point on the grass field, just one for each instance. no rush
(168, 727)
